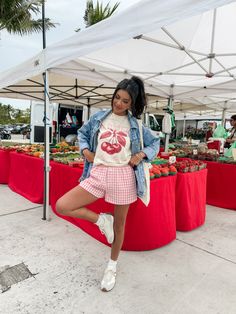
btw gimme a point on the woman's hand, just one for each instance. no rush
(136, 159)
(88, 155)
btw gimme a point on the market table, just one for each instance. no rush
(146, 227)
(4, 166)
(26, 176)
(190, 200)
(221, 185)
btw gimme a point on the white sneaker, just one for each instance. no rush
(107, 227)
(109, 280)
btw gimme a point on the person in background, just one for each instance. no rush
(232, 137)
(110, 143)
(209, 133)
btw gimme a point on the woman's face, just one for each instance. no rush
(121, 102)
(233, 123)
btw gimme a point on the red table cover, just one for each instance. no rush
(4, 166)
(146, 227)
(190, 200)
(221, 185)
(26, 176)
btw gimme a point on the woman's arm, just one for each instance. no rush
(151, 144)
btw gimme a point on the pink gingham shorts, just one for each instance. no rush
(116, 184)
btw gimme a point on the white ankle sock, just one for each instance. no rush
(100, 221)
(112, 264)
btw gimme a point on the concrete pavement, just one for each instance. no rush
(195, 274)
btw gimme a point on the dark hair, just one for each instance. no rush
(135, 88)
(233, 117)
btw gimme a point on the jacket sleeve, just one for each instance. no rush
(84, 134)
(151, 144)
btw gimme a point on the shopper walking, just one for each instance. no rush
(110, 143)
(232, 137)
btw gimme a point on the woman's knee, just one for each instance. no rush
(61, 207)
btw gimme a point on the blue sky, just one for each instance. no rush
(69, 14)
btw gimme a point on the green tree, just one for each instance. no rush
(96, 13)
(10, 115)
(6, 112)
(16, 16)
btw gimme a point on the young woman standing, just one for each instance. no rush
(110, 143)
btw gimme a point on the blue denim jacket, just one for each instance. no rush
(88, 135)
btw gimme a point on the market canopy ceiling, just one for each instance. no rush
(182, 49)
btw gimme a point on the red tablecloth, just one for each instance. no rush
(4, 166)
(190, 200)
(221, 185)
(26, 176)
(146, 227)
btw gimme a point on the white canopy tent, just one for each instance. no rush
(183, 52)
(180, 48)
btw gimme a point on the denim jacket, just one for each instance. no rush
(88, 135)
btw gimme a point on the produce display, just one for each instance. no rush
(227, 160)
(159, 161)
(73, 159)
(189, 165)
(63, 147)
(164, 170)
(37, 150)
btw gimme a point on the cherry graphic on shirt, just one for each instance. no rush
(116, 141)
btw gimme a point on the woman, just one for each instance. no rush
(232, 137)
(110, 143)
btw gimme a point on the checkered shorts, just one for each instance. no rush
(116, 184)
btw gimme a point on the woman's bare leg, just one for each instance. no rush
(120, 214)
(73, 202)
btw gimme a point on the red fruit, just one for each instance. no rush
(104, 146)
(117, 147)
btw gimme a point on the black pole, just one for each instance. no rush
(45, 118)
(43, 24)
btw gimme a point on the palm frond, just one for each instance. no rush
(97, 13)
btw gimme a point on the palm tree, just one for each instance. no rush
(16, 16)
(94, 14)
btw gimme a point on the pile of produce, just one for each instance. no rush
(164, 170)
(73, 159)
(35, 150)
(227, 160)
(189, 165)
(63, 147)
(159, 161)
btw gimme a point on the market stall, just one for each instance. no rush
(146, 227)
(26, 176)
(190, 200)
(221, 173)
(221, 185)
(4, 166)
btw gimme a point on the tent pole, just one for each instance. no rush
(46, 148)
(184, 125)
(89, 108)
(223, 115)
(46, 128)
(167, 136)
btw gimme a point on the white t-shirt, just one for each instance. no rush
(113, 147)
